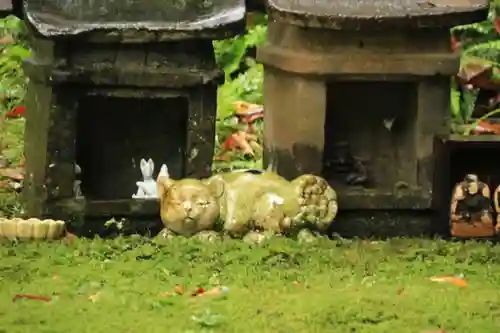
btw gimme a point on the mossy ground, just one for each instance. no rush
(343, 286)
(347, 286)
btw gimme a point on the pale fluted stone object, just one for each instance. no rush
(17, 228)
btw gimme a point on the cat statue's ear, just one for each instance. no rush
(163, 181)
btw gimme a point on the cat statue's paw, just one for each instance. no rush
(317, 200)
(165, 234)
(187, 206)
(208, 236)
(306, 236)
(256, 238)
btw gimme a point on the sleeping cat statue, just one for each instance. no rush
(238, 203)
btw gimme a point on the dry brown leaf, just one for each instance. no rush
(12, 173)
(241, 140)
(473, 69)
(95, 297)
(6, 40)
(242, 107)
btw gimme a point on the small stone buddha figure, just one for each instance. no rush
(471, 213)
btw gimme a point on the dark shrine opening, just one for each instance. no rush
(471, 159)
(114, 133)
(369, 136)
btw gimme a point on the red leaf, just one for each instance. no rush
(496, 23)
(455, 44)
(15, 112)
(34, 297)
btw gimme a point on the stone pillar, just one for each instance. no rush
(294, 126)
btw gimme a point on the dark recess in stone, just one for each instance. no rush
(256, 5)
(352, 121)
(113, 134)
(141, 225)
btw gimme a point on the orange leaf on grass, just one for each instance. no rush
(459, 282)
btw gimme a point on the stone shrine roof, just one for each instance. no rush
(169, 19)
(356, 14)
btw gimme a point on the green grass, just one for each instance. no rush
(346, 286)
(349, 286)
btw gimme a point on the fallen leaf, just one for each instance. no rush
(228, 144)
(198, 291)
(455, 44)
(95, 297)
(179, 290)
(215, 291)
(473, 69)
(33, 297)
(16, 112)
(496, 23)
(241, 139)
(459, 282)
(243, 108)
(224, 157)
(485, 127)
(12, 173)
(6, 40)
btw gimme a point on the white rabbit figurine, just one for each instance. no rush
(146, 189)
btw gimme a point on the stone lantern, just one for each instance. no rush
(355, 91)
(114, 81)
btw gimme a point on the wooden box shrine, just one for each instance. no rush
(356, 91)
(112, 82)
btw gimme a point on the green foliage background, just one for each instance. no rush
(12, 80)
(480, 43)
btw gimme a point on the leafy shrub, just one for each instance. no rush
(12, 51)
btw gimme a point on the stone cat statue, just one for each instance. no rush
(240, 202)
(187, 206)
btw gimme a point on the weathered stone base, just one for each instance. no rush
(381, 224)
(91, 227)
(361, 223)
